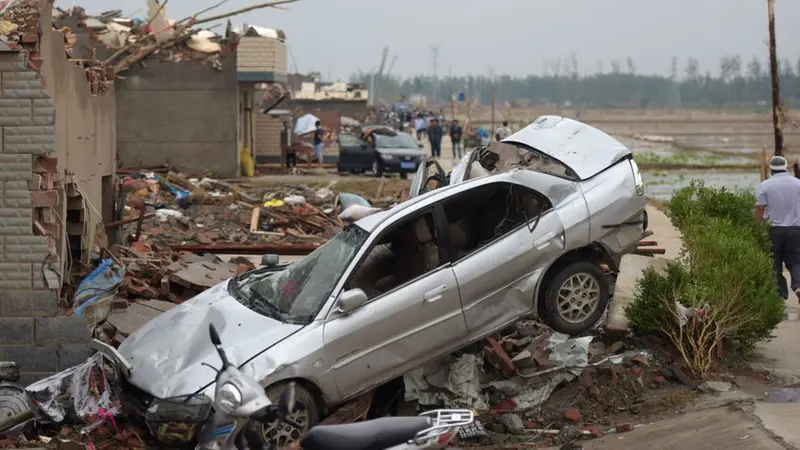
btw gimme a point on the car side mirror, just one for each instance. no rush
(350, 300)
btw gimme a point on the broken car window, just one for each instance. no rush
(297, 293)
(407, 251)
(488, 212)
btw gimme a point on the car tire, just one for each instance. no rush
(377, 167)
(306, 413)
(575, 298)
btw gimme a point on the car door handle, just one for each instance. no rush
(435, 294)
(544, 240)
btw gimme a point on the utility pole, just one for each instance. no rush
(435, 54)
(776, 94)
(491, 96)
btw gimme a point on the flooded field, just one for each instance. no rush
(661, 184)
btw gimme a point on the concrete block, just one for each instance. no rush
(15, 167)
(16, 331)
(10, 62)
(72, 354)
(27, 303)
(34, 359)
(61, 330)
(26, 249)
(16, 222)
(35, 139)
(44, 112)
(625, 290)
(14, 275)
(15, 194)
(16, 112)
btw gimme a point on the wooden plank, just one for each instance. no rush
(254, 219)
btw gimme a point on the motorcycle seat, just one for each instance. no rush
(378, 434)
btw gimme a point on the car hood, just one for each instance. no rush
(583, 148)
(167, 353)
(401, 151)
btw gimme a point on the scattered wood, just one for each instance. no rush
(254, 219)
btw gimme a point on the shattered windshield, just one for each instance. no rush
(399, 140)
(296, 293)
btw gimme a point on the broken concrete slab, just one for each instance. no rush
(133, 317)
(204, 275)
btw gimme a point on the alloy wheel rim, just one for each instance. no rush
(578, 297)
(283, 434)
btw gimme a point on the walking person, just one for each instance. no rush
(778, 201)
(419, 125)
(456, 133)
(319, 141)
(502, 131)
(289, 153)
(435, 133)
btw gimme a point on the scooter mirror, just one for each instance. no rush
(287, 401)
(214, 335)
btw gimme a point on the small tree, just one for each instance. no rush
(723, 288)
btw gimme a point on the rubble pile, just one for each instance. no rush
(532, 385)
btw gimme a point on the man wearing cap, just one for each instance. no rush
(778, 200)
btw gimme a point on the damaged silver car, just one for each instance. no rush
(519, 227)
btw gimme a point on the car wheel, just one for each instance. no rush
(576, 298)
(306, 414)
(377, 167)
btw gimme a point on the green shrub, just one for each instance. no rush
(726, 273)
(696, 202)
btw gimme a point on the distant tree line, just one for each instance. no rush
(735, 83)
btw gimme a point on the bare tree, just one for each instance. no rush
(573, 59)
(631, 66)
(616, 66)
(692, 69)
(601, 67)
(673, 73)
(754, 69)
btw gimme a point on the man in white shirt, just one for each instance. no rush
(502, 132)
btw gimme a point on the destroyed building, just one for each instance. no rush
(57, 167)
(191, 102)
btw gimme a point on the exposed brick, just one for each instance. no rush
(28, 249)
(15, 194)
(35, 139)
(44, 199)
(16, 112)
(34, 359)
(16, 331)
(14, 275)
(45, 164)
(35, 64)
(48, 181)
(15, 167)
(28, 303)
(30, 38)
(48, 216)
(61, 330)
(10, 62)
(35, 183)
(72, 355)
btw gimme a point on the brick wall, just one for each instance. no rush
(261, 54)
(31, 331)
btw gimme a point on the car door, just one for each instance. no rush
(395, 331)
(498, 282)
(354, 153)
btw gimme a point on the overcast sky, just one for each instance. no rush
(517, 37)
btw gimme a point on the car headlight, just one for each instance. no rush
(230, 398)
(387, 157)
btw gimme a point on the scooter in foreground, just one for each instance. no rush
(241, 408)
